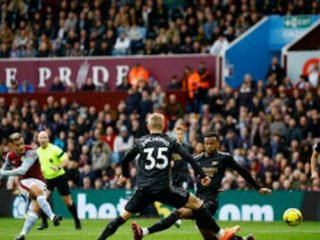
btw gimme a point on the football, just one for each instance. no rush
(292, 216)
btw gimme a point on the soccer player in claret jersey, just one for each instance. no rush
(24, 161)
(153, 180)
(214, 164)
(53, 160)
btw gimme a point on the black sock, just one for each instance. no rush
(205, 220)
(44, 218)
(73, 211)
(111, 228)
(164, 223)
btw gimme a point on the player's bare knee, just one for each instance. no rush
(198, 203)
(36, 209)
(35, 191)
(180, 213)
(67, 200)
(194, 202)
(184, 213)
(125, 215)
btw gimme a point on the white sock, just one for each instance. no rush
(220, 233)
(45, 206)
(145, 231)
(29, 222)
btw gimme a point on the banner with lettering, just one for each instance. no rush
(233, 205)
(102, 70)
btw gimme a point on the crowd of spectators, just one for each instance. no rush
(269, 127)
(46, 28)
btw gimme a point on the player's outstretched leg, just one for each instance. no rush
(38, 194)
(28, 224)
(220, 234)
(161, 225)
(46, 208)
(205, 220)
(111, 228)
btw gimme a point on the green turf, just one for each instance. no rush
(9, 228)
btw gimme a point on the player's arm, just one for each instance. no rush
(314, 161)
(63, 157)
(6, 165)
(29, 160)
(129, 156)
(188, 157)
(246, 175)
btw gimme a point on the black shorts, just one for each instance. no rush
(61, 183)
(212, 206)
(175, 197)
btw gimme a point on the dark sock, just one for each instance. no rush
(73, 211)
(164, 223)
(111, 228)
(44, 218)
(205, 220)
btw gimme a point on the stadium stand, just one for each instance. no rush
(46, 28)
(269, 126)
(269, 129)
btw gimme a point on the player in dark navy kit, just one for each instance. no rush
(214, 164)
(154, 183)
(314, 161)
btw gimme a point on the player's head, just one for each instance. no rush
(16, 143)
(211, 142)
(155, 122)
(179, 131)
(43, 139)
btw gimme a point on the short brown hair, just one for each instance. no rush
(180, 128)
(14, 137)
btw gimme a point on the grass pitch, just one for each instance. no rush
(9, 228)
